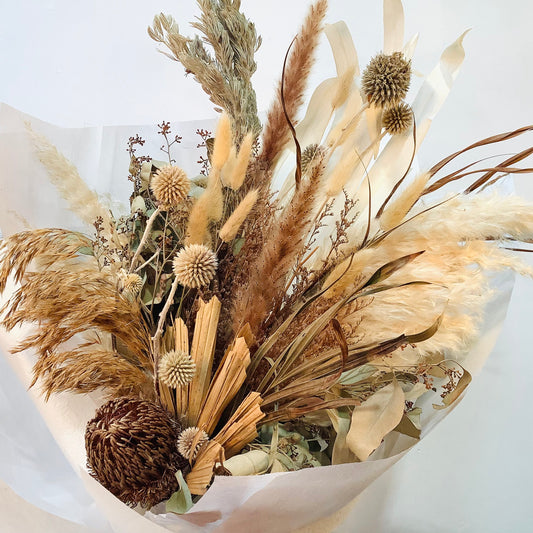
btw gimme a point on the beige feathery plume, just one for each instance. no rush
(231, 227)
(276, 132)
(236, 172)
(396, 210)
(341, 173)
(64, 175)
(223, 143)
(208, 208)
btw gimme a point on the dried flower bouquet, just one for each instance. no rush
(295, 303)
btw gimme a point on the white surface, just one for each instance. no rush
(77, 64)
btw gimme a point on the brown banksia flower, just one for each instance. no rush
(397, 119)
(176, 369)
(311, 155)
(131, 450)
(191, 441)
(170, 186)
(386, 79)
(195, 266)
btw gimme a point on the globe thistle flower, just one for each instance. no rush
(170, 186)
(132, 285)
(131, 451)
(311, 155)
(397, 119)
(195, 266)
(190, 443)
(386, 79)
(176, 369)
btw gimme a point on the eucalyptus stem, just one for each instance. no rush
(144, 238)
(156, 339)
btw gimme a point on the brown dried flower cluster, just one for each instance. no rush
(131, 450)
(223, 305)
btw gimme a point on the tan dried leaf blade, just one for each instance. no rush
(375, 418)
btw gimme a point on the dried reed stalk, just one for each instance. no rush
(181, 343)
(202, 472)
(276, 132)
(225, 384)
(202, 352)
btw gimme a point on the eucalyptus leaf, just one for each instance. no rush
(237, 245)
(375, 418)
(181, 501)
(86, 250)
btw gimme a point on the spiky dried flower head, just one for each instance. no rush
(397, 119)
(130, 284)
(131, 451)
(195, 265)
(311, 155)
(176, 369)
(386, 79)
(191, 441)
(170, 186)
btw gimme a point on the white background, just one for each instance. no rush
(92, 63)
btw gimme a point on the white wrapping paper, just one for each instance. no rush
(59, 487)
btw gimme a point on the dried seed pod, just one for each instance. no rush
(170, 186)
(190, 441)
(397, 119)
(386, 79)
(176, 369)
(195, 266)
(131, 450)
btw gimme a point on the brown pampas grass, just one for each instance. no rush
(265, 287)
(276, 132)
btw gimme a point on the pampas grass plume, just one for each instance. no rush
(398, 208)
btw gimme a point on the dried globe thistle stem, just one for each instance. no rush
(386, 79)
(191, 441)
(397, 118)
(176, 369)
(170, 186)
(195, 266)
